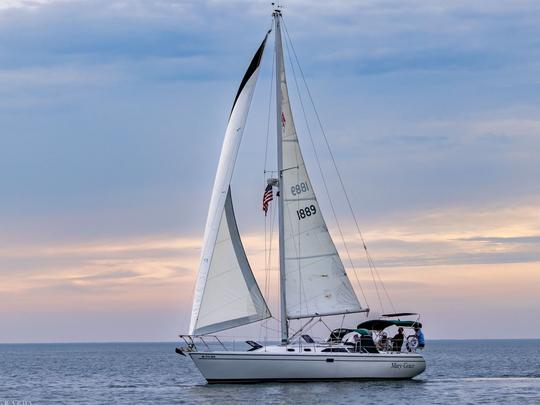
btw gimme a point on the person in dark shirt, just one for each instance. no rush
(368, 345)
(397, 340)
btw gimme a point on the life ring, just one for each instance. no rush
(412, 342)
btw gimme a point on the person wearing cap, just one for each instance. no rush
(397, 340)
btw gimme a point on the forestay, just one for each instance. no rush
(226, 293)
(315, 279)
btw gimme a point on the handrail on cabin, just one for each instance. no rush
(191, 342)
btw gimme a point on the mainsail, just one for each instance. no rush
(316, 282)
(226, 294)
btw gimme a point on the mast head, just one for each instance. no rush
(277, 10)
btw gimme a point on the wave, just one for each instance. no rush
(498, 378)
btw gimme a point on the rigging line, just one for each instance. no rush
(269, 256)
(267, 286)
(261, 325)
(319, 163)
(333, 159)
(273, 330)
(268, 263)
(324, 323)
(302, 328)
(265, 271)
(382, 283)
(301, 283)
(269, 112)
(272, 225)
(375, 283)
(268, 245)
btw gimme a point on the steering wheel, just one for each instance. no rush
(412, 342)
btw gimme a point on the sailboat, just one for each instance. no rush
(312, 278)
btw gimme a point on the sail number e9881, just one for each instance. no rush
(306, 212)
(299, 188)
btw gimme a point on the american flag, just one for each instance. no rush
(267, 197)
(283, 121)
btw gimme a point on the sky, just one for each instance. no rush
(112, 115)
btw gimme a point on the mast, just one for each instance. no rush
(279, 126)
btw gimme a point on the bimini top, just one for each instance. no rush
(380, 324)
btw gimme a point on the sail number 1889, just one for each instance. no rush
(306, 212)
(299, 188)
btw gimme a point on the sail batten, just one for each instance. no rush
(226, 292)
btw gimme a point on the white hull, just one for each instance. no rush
(230, 367)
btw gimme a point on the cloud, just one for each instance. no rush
(127, 247)
(450, 236)
(103, 268)
(502, 241)
(24, 4)
(426, 239)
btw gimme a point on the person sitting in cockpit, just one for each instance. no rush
(368, 345)
(382, 343)
(397, 340)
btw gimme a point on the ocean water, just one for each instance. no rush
(493, 371)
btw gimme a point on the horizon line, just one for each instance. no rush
(223, 340)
